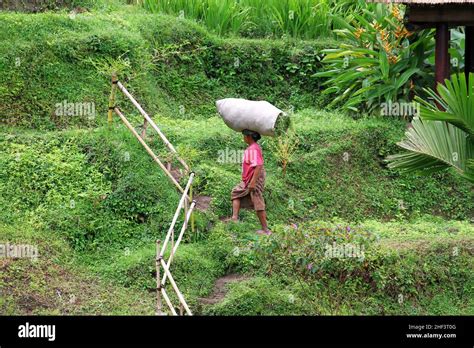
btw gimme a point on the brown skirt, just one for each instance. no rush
(250, 200)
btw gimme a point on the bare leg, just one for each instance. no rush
(262, 216)
(235, 209)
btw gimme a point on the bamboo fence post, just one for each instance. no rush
(192, 216)
(147, 148)
(167, 300)
(180, 237)
(175, 287)
(112, 98)
(145, 124)
(158, 279)
(172, 242)
(153, 124)
(186, 207)
(176, 214)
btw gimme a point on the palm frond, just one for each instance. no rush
(457, 98)
(435, 145)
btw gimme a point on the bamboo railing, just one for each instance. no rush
(185, 203)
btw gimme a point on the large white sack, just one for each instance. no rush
(240, 114)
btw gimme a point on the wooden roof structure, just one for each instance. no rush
(442, 14)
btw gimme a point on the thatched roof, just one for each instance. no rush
(427, 2)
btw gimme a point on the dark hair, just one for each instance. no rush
(255, 135)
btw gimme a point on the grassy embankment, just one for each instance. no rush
(93, 201)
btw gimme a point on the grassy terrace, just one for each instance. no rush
(94, 203)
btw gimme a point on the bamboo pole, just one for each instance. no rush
(168, 302)
(180, 238)
(175, 287)
(172, 241)
(185, 225)
(152, 123)
(147, 148)
(158, 279)
(176, 214)
(186, 207)
(143, 135)
(112, 98)
(192, 216)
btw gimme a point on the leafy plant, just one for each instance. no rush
(284, 148)
(108, 66)
(377, 61)
(443, 138)
(307, 19)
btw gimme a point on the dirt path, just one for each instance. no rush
(202, 202)
(220, 288)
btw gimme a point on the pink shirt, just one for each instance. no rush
(252, 157)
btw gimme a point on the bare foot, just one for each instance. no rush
(230, 219)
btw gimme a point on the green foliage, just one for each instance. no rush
(98, 200)
(284, 147)
(45, 170)
(387, 266)
(304, 19)
(296, 249)
(445, 138)
(56, 284)
(152, 54)
(258, 296)
(40, 5)
(137, 196)
(83, 187)
(377, 61)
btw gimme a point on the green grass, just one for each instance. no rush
(418, 268)
(303, 19)
(94, 202)
(123, 203)
(56, 284)
(171, 66)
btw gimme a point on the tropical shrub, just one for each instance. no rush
(377, 61)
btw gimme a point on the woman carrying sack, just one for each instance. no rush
(249, 192)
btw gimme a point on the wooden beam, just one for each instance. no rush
(441, 53)
(431, 15)
(469, 51)
(168, 302)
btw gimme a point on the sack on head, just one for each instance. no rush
(259, 116)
